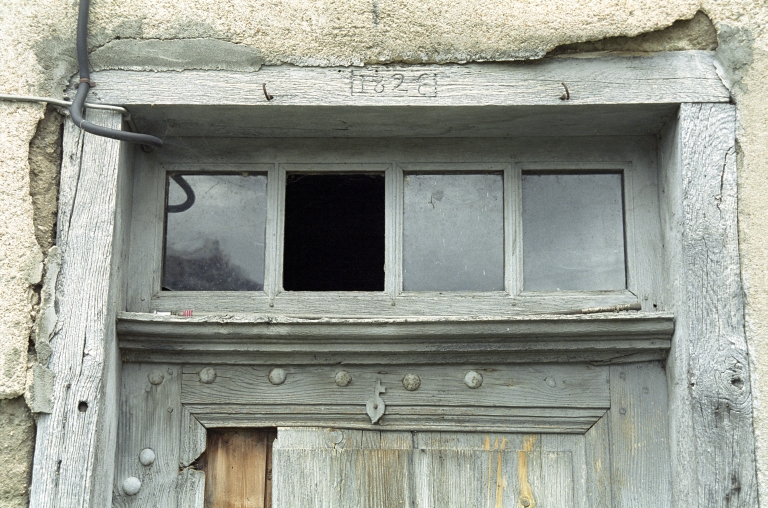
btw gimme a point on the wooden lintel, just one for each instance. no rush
(663, 78)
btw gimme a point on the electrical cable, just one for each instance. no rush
(76, 110)
(190, 200)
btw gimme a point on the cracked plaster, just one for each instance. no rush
(37, 57)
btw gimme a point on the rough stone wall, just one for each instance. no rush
(37, 50)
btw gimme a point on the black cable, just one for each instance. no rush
(85, 85)
(186, 205)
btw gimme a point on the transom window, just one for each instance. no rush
(448, 223)
(359, 226)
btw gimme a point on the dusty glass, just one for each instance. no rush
(573, 232)
(453, 232)
(217, 244)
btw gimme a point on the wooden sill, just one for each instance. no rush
(257, 339)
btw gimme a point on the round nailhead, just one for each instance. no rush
(277, 376)
(156, 377)
(131, 486)
(343, 378)
(207, 375)
(147, 457)
(473, 379)
(411, 382)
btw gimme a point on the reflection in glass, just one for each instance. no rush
(218, 243)
(573, 232)
(453, 232)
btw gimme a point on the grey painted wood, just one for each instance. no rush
(269, 340)
(193, 438)
(597, 446)
(150, 418)
(446, 469)
(711, 432)
(640, 472)
(75, 443)
(540, 398)
(191, 488)
(421, 418)
(524, 386)
(146, 235)
(672, 77)
(402, 122)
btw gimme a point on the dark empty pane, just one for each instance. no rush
(217, 244)
(334, 233)
(453, 233)
(573, 232)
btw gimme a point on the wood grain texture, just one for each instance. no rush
(75, 443)
(638, 430)
(674, 77)
(420, 418)
(710, 394)
(333, 467)
(236, 468)
(578, 386)
(260, 340)
(150, 417)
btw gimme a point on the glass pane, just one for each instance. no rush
(218, 243)
(573, 232)
(453, 233)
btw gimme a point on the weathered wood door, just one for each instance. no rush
(617, 458)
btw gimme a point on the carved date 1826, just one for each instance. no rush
(394, 83)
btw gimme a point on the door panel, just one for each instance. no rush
(337, 468)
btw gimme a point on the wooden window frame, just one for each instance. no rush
(710, 417)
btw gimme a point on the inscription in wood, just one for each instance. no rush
(390, 83)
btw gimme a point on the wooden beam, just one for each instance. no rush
(260, 340)
(674, 77)
(711, 434)
(75, 446)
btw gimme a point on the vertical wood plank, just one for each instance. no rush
(638, 436)
(236, 468)
(597, 451)
(513, 231)
(75, 443)
(273, 241)
(710, 394)
(146, 234)
(193, 439)
(150, 419)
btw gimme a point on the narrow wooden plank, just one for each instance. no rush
(545, 326)
(640, 472)
(710, 394)
(150, 423)
(598, 465)
(75, 443)
(380, 304)
(662, 78)
(146, 234)
(236, 468)
(524, 386)
(351, 417)
(193, 438)
(191, 488)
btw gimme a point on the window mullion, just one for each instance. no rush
(513, 227)
(276, 207)
(393, 206)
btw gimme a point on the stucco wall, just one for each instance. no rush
(37, 57)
